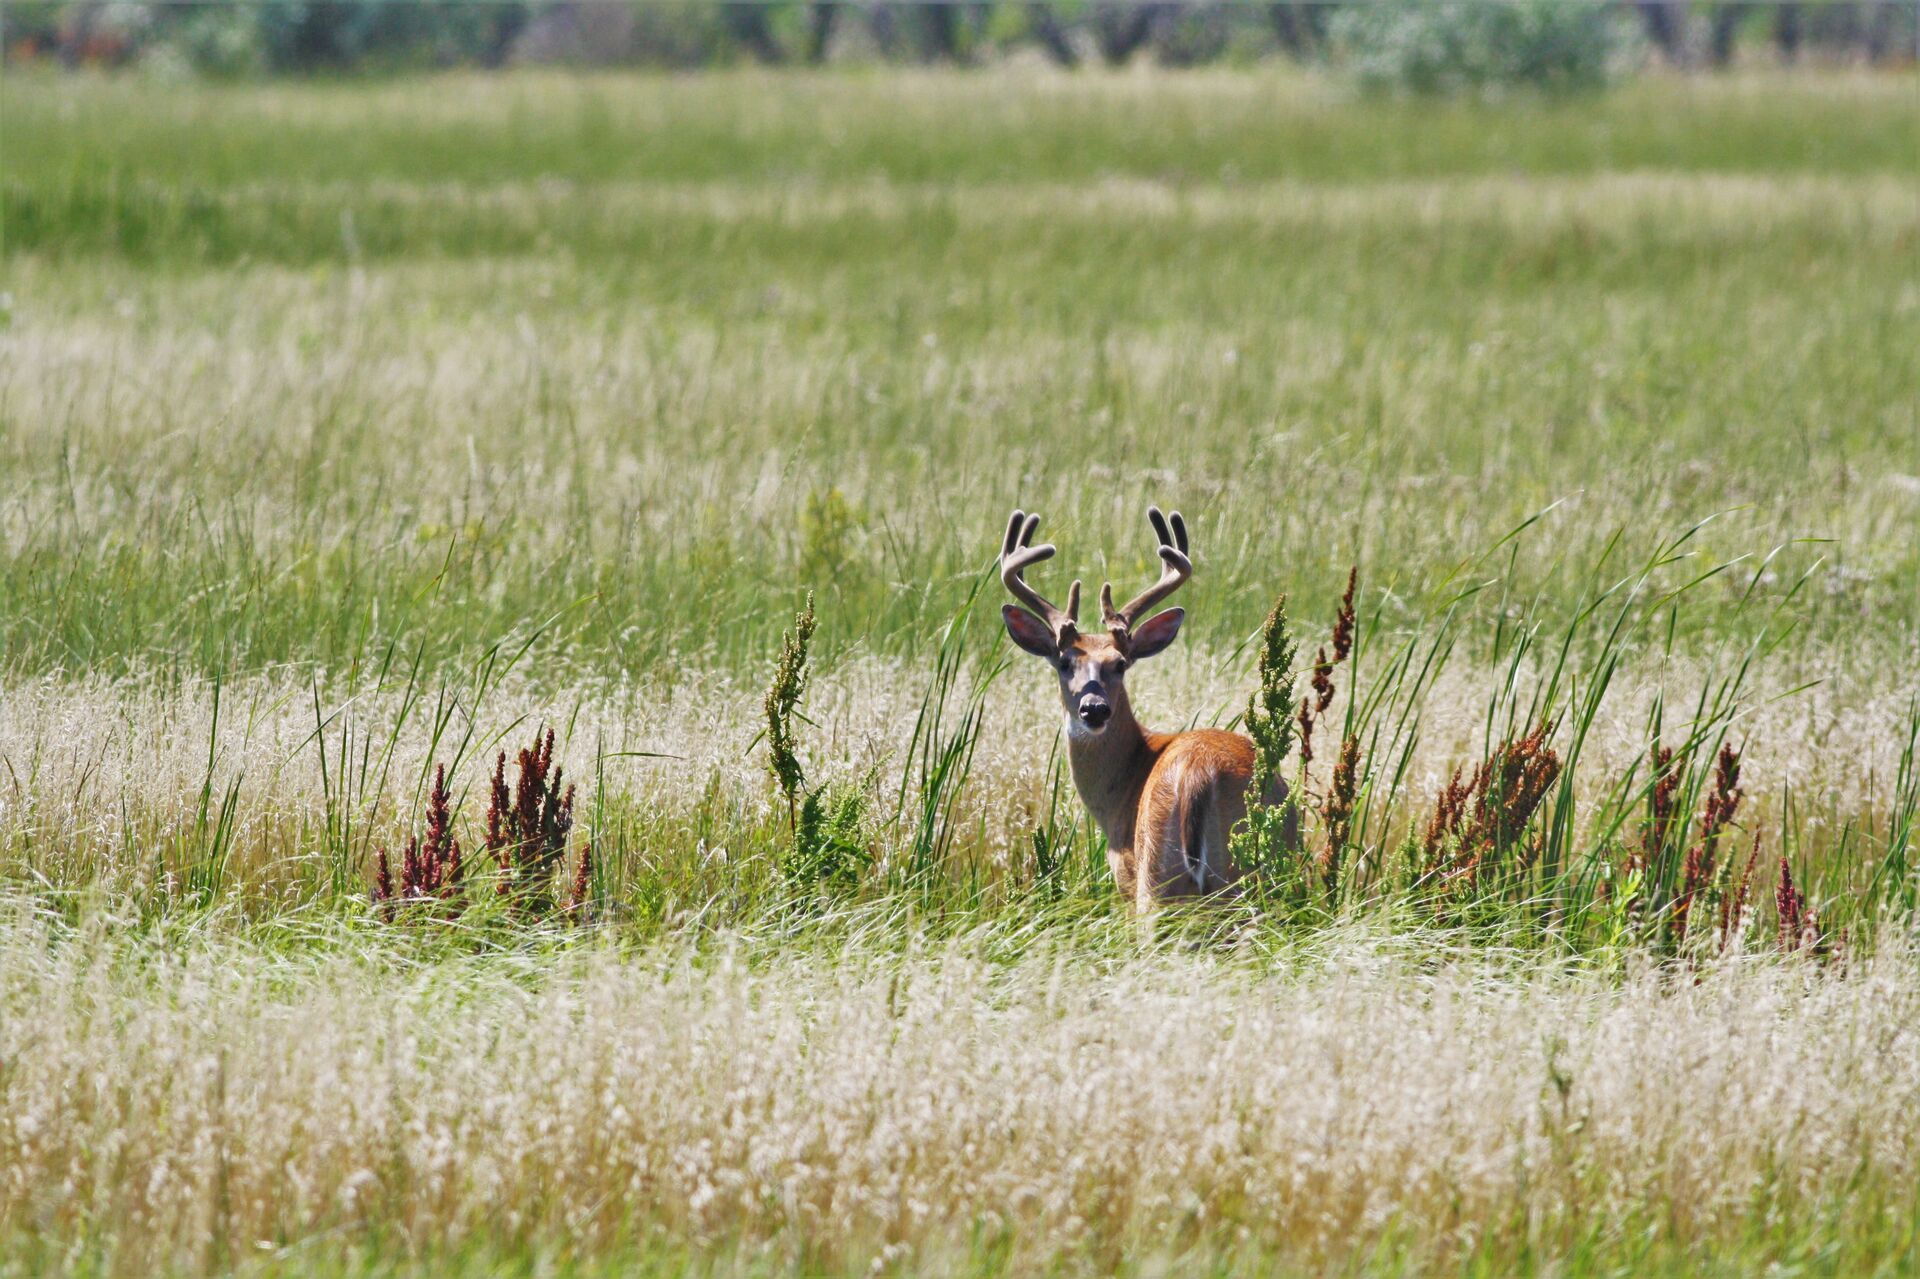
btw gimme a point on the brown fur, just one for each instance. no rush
(1166, 802)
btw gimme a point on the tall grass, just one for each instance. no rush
(350, 432)
(344, 424)
(993, 1105)
(1510, 797)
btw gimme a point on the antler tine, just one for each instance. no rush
(1179, 529)
(1016, 554)
(1011, 542)
(1175, 569)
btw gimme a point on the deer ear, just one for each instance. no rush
(1029, 632)
(1155, 633)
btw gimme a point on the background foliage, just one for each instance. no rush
(1425, 46)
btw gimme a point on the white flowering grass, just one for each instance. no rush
(173, 1099)
(347, 429)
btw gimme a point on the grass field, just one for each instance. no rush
(347, 429)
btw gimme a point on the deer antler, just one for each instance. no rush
(1175, 569)
(1016, 553)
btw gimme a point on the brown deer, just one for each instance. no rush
(1165, 801)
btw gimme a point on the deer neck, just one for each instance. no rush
(1109, 770)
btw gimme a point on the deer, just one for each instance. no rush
(1166, 802)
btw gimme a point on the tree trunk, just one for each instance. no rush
(940, 23)
(820, 19)
(746, 23)
(1121, 30)
(1293, 33)
(1838, 26)
(1880, 31)
(1726, 23)
(1051, 35)
(507, 27)
(885, 25)
(1786, 32)
(1665, 27)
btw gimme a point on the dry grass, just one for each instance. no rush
(101, 780)
(317, 402)
(173, 1102)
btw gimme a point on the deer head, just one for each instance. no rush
(1092, 666)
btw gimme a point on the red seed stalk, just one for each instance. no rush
(1474, 819)
(1666, 785)
(1339, 811)
(1799, 922)
(1311, 708)
(383, 882)
(527, 826)
(582, 891)
(1722, 803)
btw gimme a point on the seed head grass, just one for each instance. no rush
(1341, 1108)
(352, 429)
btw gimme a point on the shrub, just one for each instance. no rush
(1193, 36)
(214, 40)
(781, 706)
(1260, 844)
(828, 823)
(527, 827)
(1481, 45)
(1476, 838)
(221, 38)
(827, 527)
(681, 34)
(829, 849)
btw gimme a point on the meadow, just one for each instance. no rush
(348, 429)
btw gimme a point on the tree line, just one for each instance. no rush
(336, 35)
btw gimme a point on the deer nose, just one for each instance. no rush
(1094, 711)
